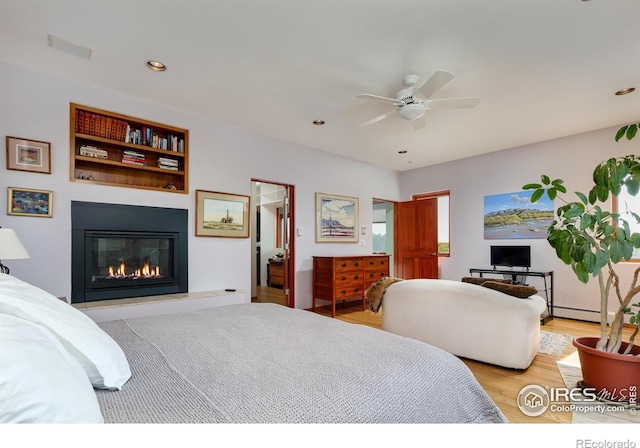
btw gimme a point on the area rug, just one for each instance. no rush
(553, 344)
(584, 411)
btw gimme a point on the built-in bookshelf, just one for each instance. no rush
(114, 149)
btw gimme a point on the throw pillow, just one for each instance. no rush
(101, 357)
(40, 382)
(520, 291)
(481, 280)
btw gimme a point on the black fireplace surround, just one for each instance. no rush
(120, 251)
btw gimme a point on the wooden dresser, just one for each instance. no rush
(275, 273)
(346, 277)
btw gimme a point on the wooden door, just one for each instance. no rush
(416, 239)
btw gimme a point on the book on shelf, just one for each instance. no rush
(168, 167)
(135, 154)
(133, 161)
(165, 161)
(93, 151)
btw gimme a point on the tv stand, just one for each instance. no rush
(548, 285)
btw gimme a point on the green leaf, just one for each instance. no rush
(551, 192)
(545, 179)
(531, 186)
(621, 133)
(581, 272)
(631, 131)
(582, 197)
(537, 195)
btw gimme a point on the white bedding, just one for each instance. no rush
(264, 363)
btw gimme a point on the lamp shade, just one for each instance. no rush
(10, 246)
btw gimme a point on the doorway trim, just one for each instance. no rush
(289, 277)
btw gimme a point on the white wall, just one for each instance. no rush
(572, 159)
(222, 158)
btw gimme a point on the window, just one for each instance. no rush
(622, 204)
(443, 218)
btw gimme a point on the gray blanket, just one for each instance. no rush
(264, 363)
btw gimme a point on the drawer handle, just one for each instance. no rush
(344, 265)
(371, 263)
(356, 290)
(344, 291)
(356, 264)
(343, 278)
(356, 277)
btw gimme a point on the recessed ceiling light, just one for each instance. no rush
(625, 91)
(318, 122)
(156, 66)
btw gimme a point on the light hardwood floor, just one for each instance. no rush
(502, 385)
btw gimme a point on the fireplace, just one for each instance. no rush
(122, 251)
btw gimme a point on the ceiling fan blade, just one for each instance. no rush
(451, 103)
(366, 96)
(377, 119)
(418, 123)
(436, 82)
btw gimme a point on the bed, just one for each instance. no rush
(249, 363)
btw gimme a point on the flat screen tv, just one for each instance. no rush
(511, 256)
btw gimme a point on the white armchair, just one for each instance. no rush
(466, 320)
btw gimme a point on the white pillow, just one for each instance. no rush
(40, 382)
(102, 359)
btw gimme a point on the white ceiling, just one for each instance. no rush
(542, 69)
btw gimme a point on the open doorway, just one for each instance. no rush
(273, 258)
(382, 230)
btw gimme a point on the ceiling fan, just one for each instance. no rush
(413, 101)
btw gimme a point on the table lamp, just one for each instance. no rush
(10, 248)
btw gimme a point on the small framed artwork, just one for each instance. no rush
(28, 155)
(336, 218)
(29, 202)
(222, 214)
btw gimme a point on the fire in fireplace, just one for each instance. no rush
(121, 251)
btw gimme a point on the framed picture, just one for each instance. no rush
(28, 155)
(29, 202)
(222, 214)
(336, 218)
(513, 216)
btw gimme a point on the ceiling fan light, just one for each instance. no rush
(412, 111)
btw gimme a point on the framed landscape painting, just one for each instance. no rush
(28, 155)
(513, 216)
(336, 218)
(222, 214)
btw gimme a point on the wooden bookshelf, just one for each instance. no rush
(114, 149)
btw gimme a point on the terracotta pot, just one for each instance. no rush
(615, 377)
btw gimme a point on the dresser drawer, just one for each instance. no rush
(373, 276)
(349, 264)
(376, 263)
(349, 278)
(349, 292)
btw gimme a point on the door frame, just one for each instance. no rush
(289, 264)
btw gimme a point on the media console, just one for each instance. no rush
(514, 274)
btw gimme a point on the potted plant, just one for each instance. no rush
(593, 241)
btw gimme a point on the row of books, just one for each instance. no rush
(134, 157)
(100, 126)
(114, 129)
(93, 151)
(146, 137)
